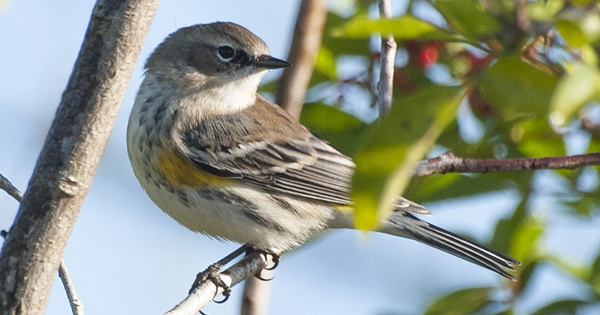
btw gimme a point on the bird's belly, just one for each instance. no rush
(243, 214)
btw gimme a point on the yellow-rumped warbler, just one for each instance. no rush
(224, 161)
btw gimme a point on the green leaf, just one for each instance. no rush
(469, 18)
(465, 301)
(536, 139)
(545, 10)
(343, 45)
(577, 271)
(561, 307)
(573, 91)
(326, 63)
(572, 33)
(339, 128)
(390, 149)
(526, 273)
(525, 237)
(454, 185)
(594, 275)
(404, 27)
(517, 88)
(505, 228)
(586, 206)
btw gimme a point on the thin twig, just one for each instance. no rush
(7, 186)
(76, 304)
(449, 163)
(207, 289)
(387, 61)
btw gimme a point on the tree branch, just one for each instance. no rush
(63, 174)
(256, 295)
(449, 163)
(7, 186)
(63, 273)
(306, 42)
(206, 290)
(387, 62)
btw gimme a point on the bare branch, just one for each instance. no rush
(205, 291)
(306, 42)
(63, 174)
(63, 274)
(255, 299)
(387, 62)
(448, 163)
(7, 186)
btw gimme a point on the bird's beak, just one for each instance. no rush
(268, 62)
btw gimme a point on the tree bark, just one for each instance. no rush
(306, 42)
(65, 168)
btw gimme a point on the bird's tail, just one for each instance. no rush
(406, 225)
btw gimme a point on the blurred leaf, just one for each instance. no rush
(404, 27)
(545, 10)
(594, 147)
(594, 275)
(334, 125)
(589, 55)
(269, 87)
(526, 273)
(390, 149)
(454, 185)
(343, 45)
(525, 237)
(505, 228)
(326, 64)
(573, 91)
(561, 307)
(571, 32)
(585, 206)
(460, 302)
(517, 88)
(535, 138)
(590, 26)
(469, 18)
(577, 271)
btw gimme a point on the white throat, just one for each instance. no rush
(227, 98)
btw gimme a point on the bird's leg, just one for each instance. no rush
(275, 258)
(212, 272)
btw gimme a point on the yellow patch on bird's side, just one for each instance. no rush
(344, 208)
(180, 171)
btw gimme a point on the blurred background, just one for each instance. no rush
(126, 257)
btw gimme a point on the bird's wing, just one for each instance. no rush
(292, 161)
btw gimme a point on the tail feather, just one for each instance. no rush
(406, 225)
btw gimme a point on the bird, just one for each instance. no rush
(224, 161)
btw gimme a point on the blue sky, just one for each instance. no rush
(127, 257)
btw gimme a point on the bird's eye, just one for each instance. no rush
(226, 53)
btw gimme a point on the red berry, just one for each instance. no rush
(428, 56)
